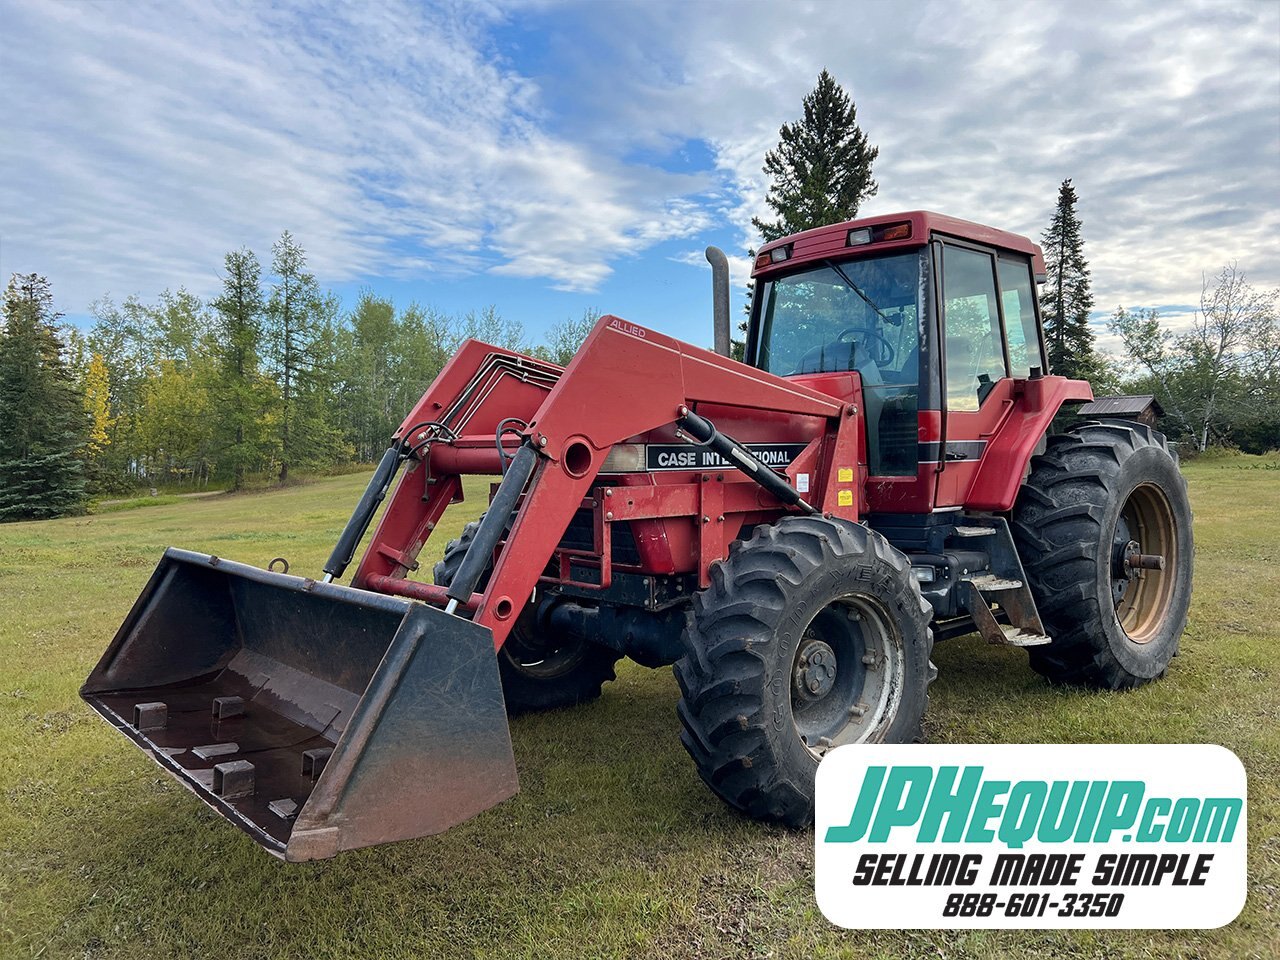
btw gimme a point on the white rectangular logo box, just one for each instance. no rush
(1030, 836)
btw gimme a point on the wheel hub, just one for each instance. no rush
(1142, 583)
(1128, 561)
(815, 670)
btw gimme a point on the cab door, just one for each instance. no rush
(989, 337)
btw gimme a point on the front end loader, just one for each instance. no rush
(791, 532)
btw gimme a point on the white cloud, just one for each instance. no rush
(398, 139)
(143, 142)
(1166, 116)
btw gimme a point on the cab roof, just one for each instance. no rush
(822, 243)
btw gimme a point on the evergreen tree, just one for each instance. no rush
(42, 419)
(243, 396)
(300, 339)
(1067, 299)
(369, 350)
(820, 171)
(821, 168)
(318, 386)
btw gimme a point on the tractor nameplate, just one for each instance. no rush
(683, 456)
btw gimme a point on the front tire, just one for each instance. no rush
(813, 634)
(1098, 496)
(539, 671)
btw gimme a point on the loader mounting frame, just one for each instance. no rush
(624, 382)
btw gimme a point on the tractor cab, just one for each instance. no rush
(936, 316)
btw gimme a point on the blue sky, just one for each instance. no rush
(550, 157)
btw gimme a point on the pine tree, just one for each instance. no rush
(1067, 299)
(820, 171)
(243, 396)
(301, 340)
(821, 168)
(43, 424)
(369, 351)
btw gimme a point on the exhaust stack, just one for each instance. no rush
(719, 298)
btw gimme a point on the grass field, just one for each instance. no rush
(613, 848)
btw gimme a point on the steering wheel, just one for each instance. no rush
(879, 350)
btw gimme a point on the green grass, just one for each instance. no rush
(133, 503)
(613, 848)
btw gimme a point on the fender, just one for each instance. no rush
(1004, 464)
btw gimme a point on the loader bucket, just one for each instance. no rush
(316, 717)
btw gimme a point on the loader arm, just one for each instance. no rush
(624, 381)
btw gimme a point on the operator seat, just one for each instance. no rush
(839, 356)
(834, 357)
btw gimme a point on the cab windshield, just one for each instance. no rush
(861, 315)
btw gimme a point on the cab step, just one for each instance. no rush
(1017, 637)
(971, 531)
(990, 583)
(1014, 621)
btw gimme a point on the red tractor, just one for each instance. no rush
(792, 532)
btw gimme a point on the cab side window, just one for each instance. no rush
(1017, 297)
(974, 355)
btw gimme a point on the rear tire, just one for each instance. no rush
(1093, 493)
(539, 671)
(812, 634)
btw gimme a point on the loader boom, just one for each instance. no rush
(625, 381)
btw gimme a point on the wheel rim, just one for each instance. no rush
(1145, 531)
(846, 675)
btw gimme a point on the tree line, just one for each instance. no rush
(269, 377)
(1217, 378)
